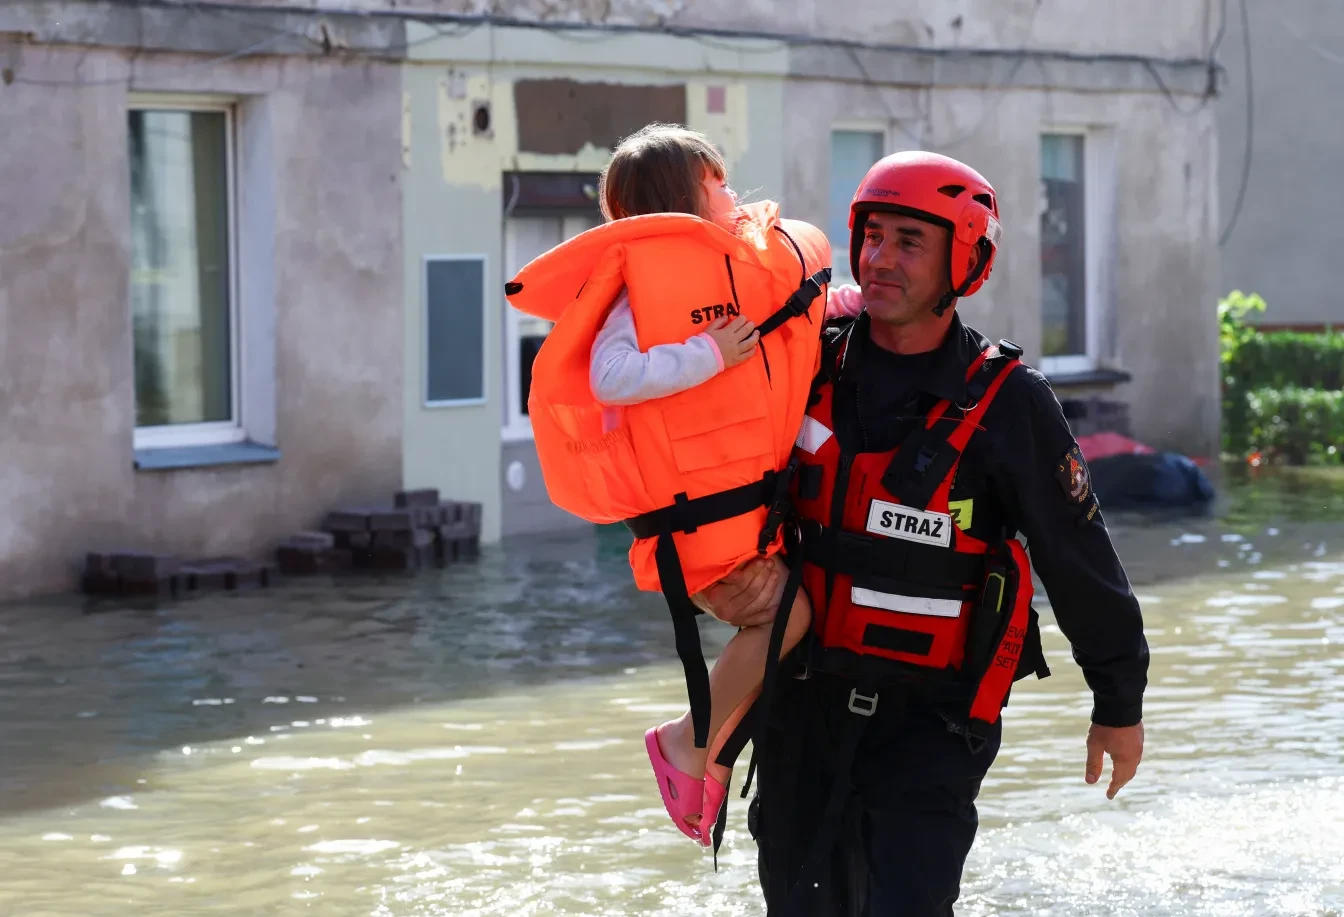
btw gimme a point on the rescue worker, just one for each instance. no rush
(925, 450)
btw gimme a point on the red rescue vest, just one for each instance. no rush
(899, 592)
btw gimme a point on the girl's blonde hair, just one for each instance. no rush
(659, 169)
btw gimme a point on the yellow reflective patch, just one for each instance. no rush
(961, 513)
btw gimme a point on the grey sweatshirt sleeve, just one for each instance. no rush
(620, 373)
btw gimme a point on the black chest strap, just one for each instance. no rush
(926, 458)
(909, 563)
(809, 288)
(685, 516)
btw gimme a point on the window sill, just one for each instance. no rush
(168, 458)
(1088, 377)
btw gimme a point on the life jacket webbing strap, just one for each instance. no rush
(998, 677)
(686, 634)
(686, 516)
(760, 710)
(850, 554)
(798, 303)
(782, 899)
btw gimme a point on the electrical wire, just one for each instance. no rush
(1306, 40)
(989, 111)
(1222, 30)
(872, 85)
(1250, 129)
(1171, 98)
(453, 25)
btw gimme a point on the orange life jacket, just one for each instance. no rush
(696, 474)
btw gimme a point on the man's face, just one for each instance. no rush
(902, 267)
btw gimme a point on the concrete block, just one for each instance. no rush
(409, 499)
(390, 558)
(417, 538)
(319, 541)
(427, 517)
(159, 586)
(100, 582)
(391, 520)
(353, 540)
(347, 520)
(144, 567)
(206, 575)
(297, 561)
(335, 559)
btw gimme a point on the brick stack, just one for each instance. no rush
(165, 575)
(419, 530)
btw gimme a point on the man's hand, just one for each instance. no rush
(1125, 746)
(749, 595)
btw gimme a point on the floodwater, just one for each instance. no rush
(470, 744)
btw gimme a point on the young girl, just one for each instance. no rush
(709, 414)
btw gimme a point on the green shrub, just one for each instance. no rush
(1294, 425)
(1284, 358)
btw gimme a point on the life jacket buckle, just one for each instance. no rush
(862, 704)
(777, 508)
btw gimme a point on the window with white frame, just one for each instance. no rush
(183, 273)
(1063, 245)
(455, 307)
(525, 238)
(853, 153)
(1077, 205)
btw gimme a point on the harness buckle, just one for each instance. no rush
(778, 507)
(862, 704)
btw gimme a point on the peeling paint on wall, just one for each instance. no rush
(719, 110)
(406, 130)
(470, 156)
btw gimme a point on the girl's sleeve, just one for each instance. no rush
(620, 373)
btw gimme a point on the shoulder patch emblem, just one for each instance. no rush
(1073, 477)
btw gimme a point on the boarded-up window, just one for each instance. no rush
(454, 292)
(562, 116)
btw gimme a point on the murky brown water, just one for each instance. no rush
(470, 744)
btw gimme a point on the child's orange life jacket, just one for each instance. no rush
(696, 475)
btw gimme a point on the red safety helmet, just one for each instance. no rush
(939, 190)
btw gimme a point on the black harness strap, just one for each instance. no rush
(686, 634)
(798, 303)
(783, 898)
(757, 721)
(809, 288)
(686, 516)
(924, 460)
(852, 554)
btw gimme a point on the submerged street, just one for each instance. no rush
(469, 743)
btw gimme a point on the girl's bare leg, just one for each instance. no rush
(733, 682)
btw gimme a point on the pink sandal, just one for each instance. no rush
(680, 791)
(715, 793)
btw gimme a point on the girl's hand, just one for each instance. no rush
(736, 339)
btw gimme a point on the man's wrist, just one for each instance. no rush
(1116, 714)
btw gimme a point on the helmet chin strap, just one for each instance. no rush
(951, 296)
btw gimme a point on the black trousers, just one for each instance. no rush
(903, 785)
